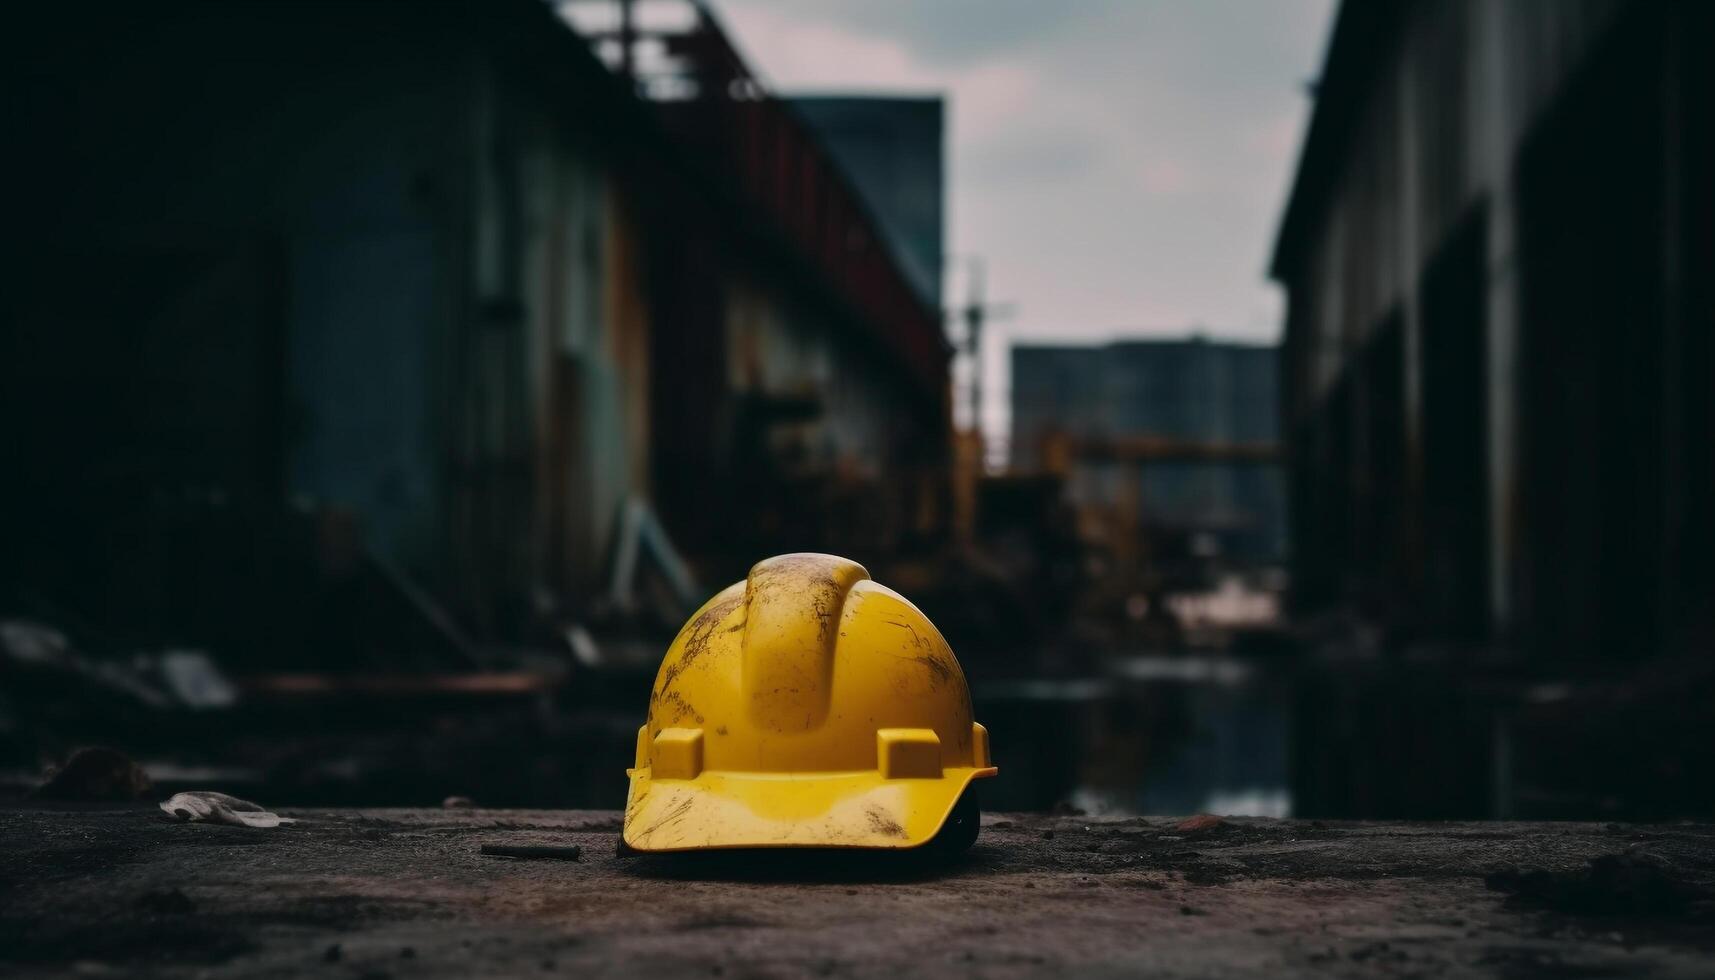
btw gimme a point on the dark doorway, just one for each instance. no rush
(1455, 435)
(137, 385)
(1593, 378)
(1383, 547)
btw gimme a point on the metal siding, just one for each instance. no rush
(358, 372)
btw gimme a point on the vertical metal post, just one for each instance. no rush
(627, 40)
(974, 313)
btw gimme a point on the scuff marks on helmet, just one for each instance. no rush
(938, 669)
(676, 811)
(929, 654)
(674, 702)
(794, 607)
(697, 636)
(883, 822)
(798, 571)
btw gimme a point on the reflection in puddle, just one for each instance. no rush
(1159, 735)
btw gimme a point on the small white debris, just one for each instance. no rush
(210, 807)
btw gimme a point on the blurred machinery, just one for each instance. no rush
(1168, 453)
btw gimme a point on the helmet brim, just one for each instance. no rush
(719, 810)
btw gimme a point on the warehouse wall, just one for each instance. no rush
(427, 297)
(552, 388)
(251, 217)
(1414, 295)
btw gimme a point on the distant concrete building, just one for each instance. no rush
(894, 150)
(1179, 432)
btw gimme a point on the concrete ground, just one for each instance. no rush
(406, 893)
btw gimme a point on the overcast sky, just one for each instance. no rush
(1120, 164)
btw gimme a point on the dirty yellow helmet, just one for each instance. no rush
(806, 706)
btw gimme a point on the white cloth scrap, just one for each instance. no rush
(211, 807)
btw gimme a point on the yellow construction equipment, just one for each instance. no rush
(807, 706)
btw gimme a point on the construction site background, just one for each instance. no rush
(384, 385)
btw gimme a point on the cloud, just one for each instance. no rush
(797, 54)
(1024, 161)
(790, 50)
(1120, 164)
(952, 33)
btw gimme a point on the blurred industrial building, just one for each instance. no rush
(1498, 255)
(361, 347)
(894, 150)
(1162, 460)
(1173, 439)
(383, 384)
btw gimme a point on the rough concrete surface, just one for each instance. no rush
(406, 893)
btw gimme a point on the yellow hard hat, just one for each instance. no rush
(806, 706)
